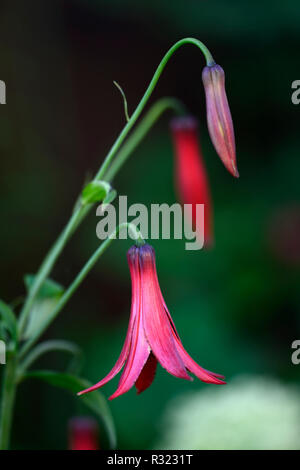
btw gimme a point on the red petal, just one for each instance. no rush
(138, 355)
(177, 339)
(194, 368)
(134, 271)
(202, 374)
(191, 177)
(147, 375)
(156, 324)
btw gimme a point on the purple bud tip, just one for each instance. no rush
(183, 123)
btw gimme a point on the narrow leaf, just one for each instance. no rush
(49, 288)
(39, 315)
(47, 298)
(9, 319)
(95, 401)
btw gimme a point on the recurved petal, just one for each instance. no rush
(194, 368)
(138, 355)
(156, 324)
(117, 367)
(187, 360)
(135, 303)
(139, 348)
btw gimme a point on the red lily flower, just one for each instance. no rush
(83, 434)
(219, 119)
(151, 335)
(190, 173)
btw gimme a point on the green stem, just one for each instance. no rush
(47, 266)
(81, 212)
(78, 280)
(147, 94)
(144, 126)
(9, 384)
(7, 402)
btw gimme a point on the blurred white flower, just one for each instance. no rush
(251, 412)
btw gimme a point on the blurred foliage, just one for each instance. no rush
(236, 306)
(95, 401)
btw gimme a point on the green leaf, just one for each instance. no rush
(39, 315)
(50, 346)
(95, 401)
(95, 191)
(49, 288)
(47, 298)
(9, 319)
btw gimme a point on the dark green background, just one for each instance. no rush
(236, 306)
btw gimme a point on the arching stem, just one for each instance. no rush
(136, 235)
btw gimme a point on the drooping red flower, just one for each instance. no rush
(151, 335)
(219, 119)
(83, 434)
(190, 173)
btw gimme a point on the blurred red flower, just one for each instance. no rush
(190, 173)
(83, 434)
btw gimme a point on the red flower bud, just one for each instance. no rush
(219, 119)
(83, 434)
(190, 173)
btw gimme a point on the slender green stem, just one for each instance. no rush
(144, 126)
(47, 266)
(7, 401)
(78, 280)
(81, 212)
(147, 94)
(9, 384)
